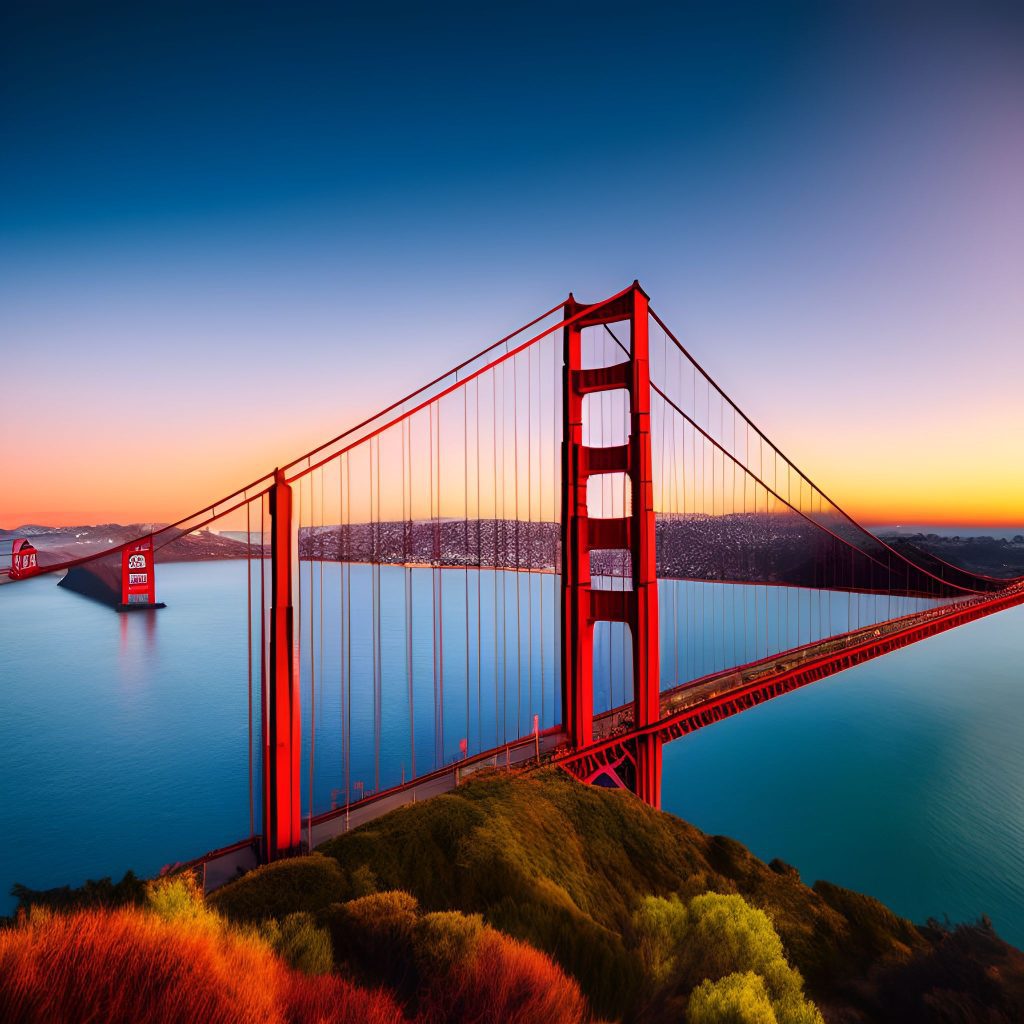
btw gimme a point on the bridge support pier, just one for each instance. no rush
(648, 769)
(282, 723)
(582, 605)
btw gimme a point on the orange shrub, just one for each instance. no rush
(132, 967)
(328, 999)
(504, 982)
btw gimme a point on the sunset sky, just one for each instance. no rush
(227, 233)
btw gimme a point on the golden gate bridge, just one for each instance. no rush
(576, 510)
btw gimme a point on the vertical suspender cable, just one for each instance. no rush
(312, 657)
(479, 574)
(348, 634)
(263, 636)
(529, 531)
(516, 575)
(494, 570)
(434, 527)
(440, 595)
(341, 612)
(465, 540)
(248, 633)
(541, 531)
(408, 513)
(378, 685)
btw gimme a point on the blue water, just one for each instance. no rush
(123, 738)
(902, 778)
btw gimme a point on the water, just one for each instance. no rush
(123, 738)
(902, 778)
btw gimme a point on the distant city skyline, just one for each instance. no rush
(226, 235)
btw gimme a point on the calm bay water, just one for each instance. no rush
(123, 738)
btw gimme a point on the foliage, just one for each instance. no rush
(102, 892)
(328, 999)
(299, 942)
(133, 966)
(564, 866)
(966, 974)
(716, 936)
(179, 898)
(435, 902)
(444, 940)
(374, 935)
(451, 966)
(284, 887)
(501, 981)
(734, 999)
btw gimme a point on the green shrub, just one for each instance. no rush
(445, 939)
(96, 892)
(177, 898)
(374, 937)
(297, 884)
(734, 999)
(715, 937)
(659, 931)
(299, 942)
(871, 923)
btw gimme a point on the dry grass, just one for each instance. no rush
(134, 967)
(504, 982)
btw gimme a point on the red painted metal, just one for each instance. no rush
(581, 605)
(24, 559)
(138, 577)
(719, 705)
(282, 721)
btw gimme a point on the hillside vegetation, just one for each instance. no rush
(513, 900)
(566, 868)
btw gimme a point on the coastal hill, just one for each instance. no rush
(516, 899)
(565, 867)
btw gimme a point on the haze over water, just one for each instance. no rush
(123, 740)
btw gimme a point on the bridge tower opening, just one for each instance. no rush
(582, 605)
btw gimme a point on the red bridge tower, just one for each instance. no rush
(582, 606)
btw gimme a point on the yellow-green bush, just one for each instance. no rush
(699, 944)
(734, 999)
(299, 942)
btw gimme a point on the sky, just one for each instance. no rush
(228, 232)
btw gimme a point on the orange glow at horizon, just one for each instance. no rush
(873, 489)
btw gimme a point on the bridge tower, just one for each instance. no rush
(282, 720)
(582, 606)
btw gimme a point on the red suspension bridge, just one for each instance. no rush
(573, 546)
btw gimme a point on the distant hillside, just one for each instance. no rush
(741, 546)
(1002, 557)
(58, 544)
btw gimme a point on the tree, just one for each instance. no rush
(697, 946)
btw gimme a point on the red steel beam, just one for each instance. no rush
(715, 708)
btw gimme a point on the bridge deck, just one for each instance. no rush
(693, 705)
(684, 708)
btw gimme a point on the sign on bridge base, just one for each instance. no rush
(138, 581)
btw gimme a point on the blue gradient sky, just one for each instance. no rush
(824, 200)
